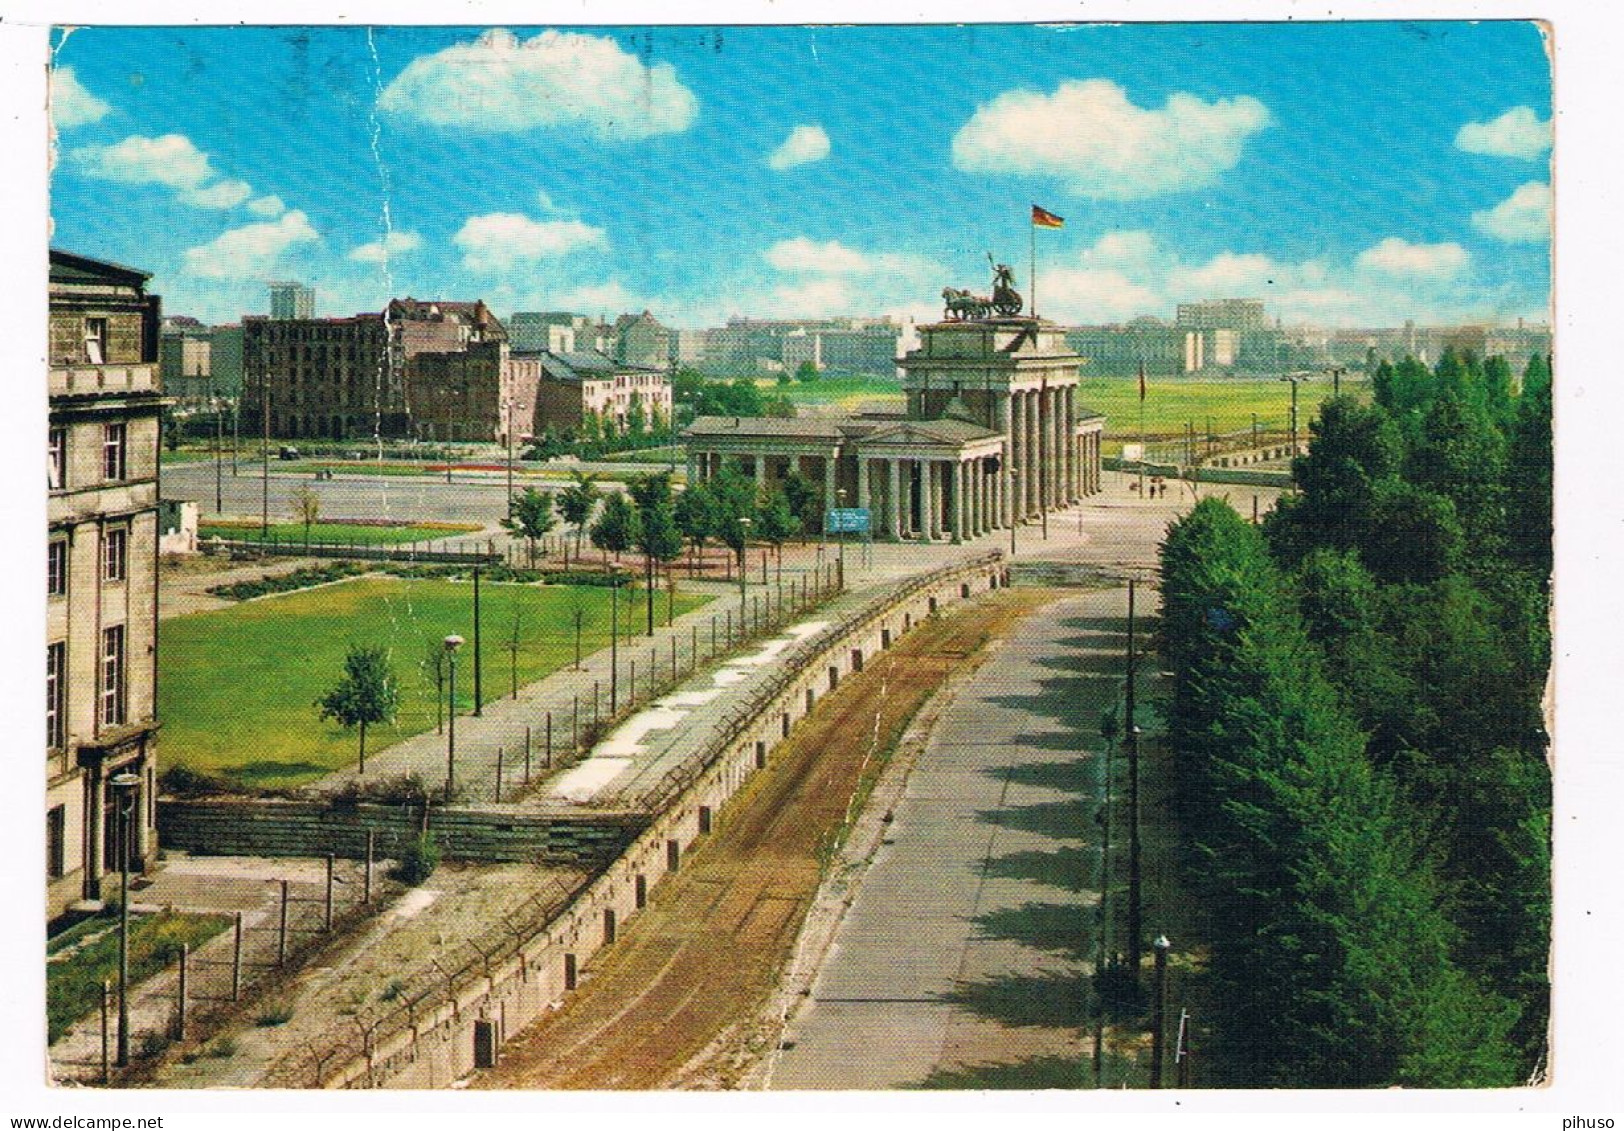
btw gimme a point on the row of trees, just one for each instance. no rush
(1362, 786)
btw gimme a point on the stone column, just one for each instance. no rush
(761, 471)
(829, 500)
(925, 500)
(862, 484)
(95, 835)
(1003, 422)
(893, 499)
(1017, 456)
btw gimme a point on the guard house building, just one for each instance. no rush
(993, 435)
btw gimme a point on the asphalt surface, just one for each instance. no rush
(970, 939)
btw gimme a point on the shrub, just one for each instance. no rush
(584, 577)
(304, 578)
(274, 1016)
(401, 789)
(419, 861)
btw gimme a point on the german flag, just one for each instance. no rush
(1043, 218)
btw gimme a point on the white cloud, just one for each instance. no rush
(391, 245)
(250, 251)
(1518, 132)
(270, 205)
(1394, 256)
(805, 256)
(1523, 217)
(219, 195)
(804, 145)
(500, 241)
(823, 297)
(1082, 294)
(171, 160)
(1089, 134)
(71, 104)
(557, 78)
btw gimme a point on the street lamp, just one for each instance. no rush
(840, 497)
(1294, 379)
(124, 786)
(1158, 1021)
(452, 643)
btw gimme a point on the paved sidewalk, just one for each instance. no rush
(970, 939)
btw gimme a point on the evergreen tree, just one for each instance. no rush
(1529, 483)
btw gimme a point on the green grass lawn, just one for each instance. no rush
(1172, 403)
(355, 534)
(842, 392)
(237, 687)
(73, 981)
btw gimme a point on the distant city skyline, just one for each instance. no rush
(1345, 174)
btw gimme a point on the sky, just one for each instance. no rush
(1346, 174)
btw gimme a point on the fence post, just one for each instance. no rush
(633, 685)
(653, 670)
(547, 751)
(282, 928)
(713, 634)
(499, 775)
(327, 898)
(180, 1004)
(595, 687)
(673, 660)
(575, 721)
(106, 1063)
(236, 956)
(366, 880)
(527, 752)
(693, 646)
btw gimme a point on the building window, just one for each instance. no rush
(112, 684)
(56, 462)
(113, 451)
(56, 842)
(96, 341)
(56, 692)
(56, 568)
(116, 553)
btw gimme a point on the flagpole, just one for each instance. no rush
(1032, 231)
(1142, 452)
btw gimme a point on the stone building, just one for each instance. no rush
(101, 573)
(570, 387)
(993, 435)
(340, 378)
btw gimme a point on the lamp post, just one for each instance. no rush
(1294, 379)
(124, 786)
(840, 497)
(1158, 1017)
(219, 447)
(614, 644)
(452, 643)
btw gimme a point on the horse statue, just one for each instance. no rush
(959, 305)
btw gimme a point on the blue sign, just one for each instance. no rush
(846, 520)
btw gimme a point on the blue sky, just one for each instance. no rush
(1348, 174)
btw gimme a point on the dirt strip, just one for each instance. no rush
(707, 952)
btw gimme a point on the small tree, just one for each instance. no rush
(775, 522)
(434, 664)
(805, 502)
(657, 533)
(695, 514)
(617, 528)
(515, 638)
(305, 504)
(735, 499)
(366, 694)
(807, 371)
(577, 502)
(531, 518)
